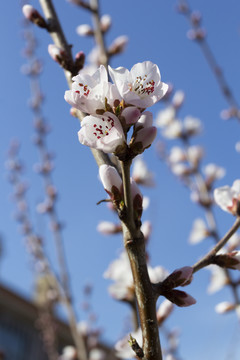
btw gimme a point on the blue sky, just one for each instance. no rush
(157, 33)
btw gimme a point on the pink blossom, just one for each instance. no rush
(141, 86)
(102, 132)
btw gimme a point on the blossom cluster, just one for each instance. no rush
(114, 108)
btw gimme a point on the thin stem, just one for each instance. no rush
(212, 62)
(98, 34)
(207, 259)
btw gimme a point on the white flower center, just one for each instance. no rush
(102, 129)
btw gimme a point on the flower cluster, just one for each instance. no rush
(114, 108)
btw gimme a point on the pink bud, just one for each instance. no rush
(79, 60)
(179, 277)
(180, 298)
(131, 115)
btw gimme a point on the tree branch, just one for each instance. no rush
(207, 259)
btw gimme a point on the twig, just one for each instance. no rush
(207, 259)
(98, 32)
(212, 62)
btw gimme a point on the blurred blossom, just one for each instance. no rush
(164, 310)
(118, 45)
(84, 30)
(178, 99)
(228, 197)
(106, 22)
(224, 307)
(180, 169)
(196, 34)
(146, 202)
(83, 328)
(213, 172)
(173, 130)
(141, 174)
(199, 232)
(177, 154)
(146, 229)
(69, 353)
(237, 146)
(165, 117)
(233, 242)
(218, 279)
(97, 354)
(192, 126)
(120, 272)
(202, 198)
(229, 113)
(194, 154)
(108, 228)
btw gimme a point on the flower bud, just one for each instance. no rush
(131, 115)
(118, 45)
(179, 277)
(79, 60)
(143, 139)
(84, 30)
(146, 120)
(178, 99)
(106, 22)
(108, 228)
(33, 15)
(224, 306)
(111, 181)
(180, 298)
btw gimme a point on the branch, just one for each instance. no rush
(208, 258)
(135, 246)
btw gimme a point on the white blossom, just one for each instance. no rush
(103, 132)
(165, 117)
(218, 279)
(141, 174)
(228, 197)
(199, 232)
(89, 92)
(223, 307)
(178, 98)
(84, 30)
(213, 172)
(141, 86)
